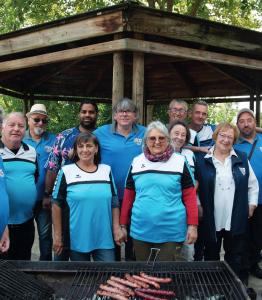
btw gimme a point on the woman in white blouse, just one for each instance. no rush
(228, 192)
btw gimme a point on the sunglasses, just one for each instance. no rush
(153, 139)
(38, 120)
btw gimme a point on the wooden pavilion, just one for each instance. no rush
(130, 50)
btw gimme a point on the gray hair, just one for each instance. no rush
(15, 113)
(199, 102)
(126, 104)
(182, 102)
(158, 126)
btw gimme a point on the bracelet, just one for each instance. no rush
(123, 226)
(46, 194)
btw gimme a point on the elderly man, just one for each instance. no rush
(20, 163)
(42, 141)
(61, 155)
(251, 143)
(177, 111)
(120, 142)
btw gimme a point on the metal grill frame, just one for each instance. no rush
(184, 274)
(195, 280)
(15, 284)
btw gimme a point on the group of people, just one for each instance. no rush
(171, 187)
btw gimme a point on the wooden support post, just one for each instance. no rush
(138, 83)
(252, 102)
(149, 113)
(258, 99)
(118, 77)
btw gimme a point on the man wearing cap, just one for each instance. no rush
(21, 172)
(61, 155)
(251, 142)
(42, 141)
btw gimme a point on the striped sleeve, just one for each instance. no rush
(115, 200)
(60, 189)
(187, 179)
(130, 184)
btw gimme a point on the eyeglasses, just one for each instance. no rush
(125, 111)
(180, 111)
(153, 139)
(38, 120)
(224, 136)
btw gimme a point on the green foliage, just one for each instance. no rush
(62, 114)
(217, 113)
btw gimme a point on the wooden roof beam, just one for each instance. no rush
(245, 82)
(130, 45)
(63, 33)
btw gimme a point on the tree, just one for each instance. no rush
(16, 14)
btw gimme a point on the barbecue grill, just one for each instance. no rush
(81, 280)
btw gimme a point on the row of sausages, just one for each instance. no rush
(135, 285)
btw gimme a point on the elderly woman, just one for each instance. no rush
(228, 192)
(87, 187)
(160, 198)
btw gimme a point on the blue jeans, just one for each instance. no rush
(97, 255)
(44, 227)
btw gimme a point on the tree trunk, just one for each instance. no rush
(195, 6)
(170, 5)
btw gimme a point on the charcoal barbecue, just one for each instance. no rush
(81, 280)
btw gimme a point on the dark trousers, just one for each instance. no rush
(21, 240)
(255, 236)
(199, 244)
(234, 247)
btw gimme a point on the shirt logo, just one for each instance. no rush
(143, 166)
(48, 149)
(138, 141)
(78, 176)
(1, 173)
(243, 171)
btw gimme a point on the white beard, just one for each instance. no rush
(38, 131)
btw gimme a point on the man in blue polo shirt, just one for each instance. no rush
(42, 141)
(251, 143)
(120, 142)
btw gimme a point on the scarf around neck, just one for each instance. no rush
(159, 157)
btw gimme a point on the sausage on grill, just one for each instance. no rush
(156, 279)
(111, 295)
(147, 296)
(111, 289)
(121, 287)
(151, 282)
(124, 281)
(141, 284)
(157, 292)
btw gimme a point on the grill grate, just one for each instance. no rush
(15, 284)
(209, 281)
